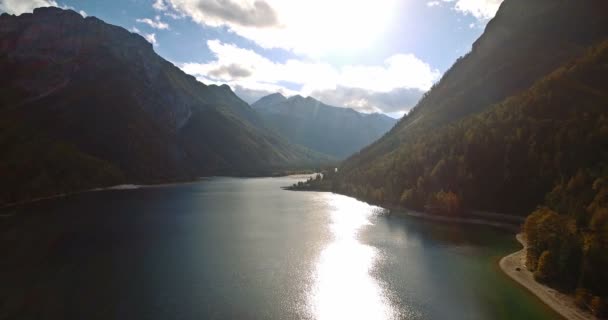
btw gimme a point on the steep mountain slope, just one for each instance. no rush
(523, 43)
(553, 139)
(508, 157)
(338, 132)
(86, 104)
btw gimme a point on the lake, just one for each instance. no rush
(229, 248)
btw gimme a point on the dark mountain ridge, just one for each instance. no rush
(338, 132)
(85, 104)
(523, 42)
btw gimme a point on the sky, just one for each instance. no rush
(369, 55)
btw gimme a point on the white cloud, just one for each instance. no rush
(159, 5)
(22, 6)
(257, 13)
(253, 94)
(247, 70)
(312, 27)
(173, 15)
(66, 7)
(397, 100)
(151, 37)
(483, 10)
(438, 3)
(156, 23)
(480, 9)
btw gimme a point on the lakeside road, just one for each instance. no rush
(561, 303)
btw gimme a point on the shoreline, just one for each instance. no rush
(118, 187)
(477, 220)
(506, 222)
(561, 303)
(127, 186)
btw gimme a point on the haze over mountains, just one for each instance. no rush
(338, 132)
(86, 104)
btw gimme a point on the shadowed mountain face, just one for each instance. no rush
(423, 155)
(338, 132)
(86, 104)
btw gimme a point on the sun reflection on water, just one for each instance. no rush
(344, 287)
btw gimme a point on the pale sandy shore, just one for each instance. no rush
(561, 303)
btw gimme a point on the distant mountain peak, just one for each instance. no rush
(275, 102)
(302, 98)
(336, 131)
(269, 100)
(277, 95)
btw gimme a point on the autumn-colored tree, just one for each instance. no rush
(599, 306)
(582, 298)
(545, 271)
(448, 202)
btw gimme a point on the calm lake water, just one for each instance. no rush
(227, 248)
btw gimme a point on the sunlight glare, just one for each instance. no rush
(339, 27)
(344, 288)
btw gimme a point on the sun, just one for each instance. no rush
(323, 27)
(340, 25)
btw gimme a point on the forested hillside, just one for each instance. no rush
(520, 122)
(524, 42)
(509, 157)
(518, 145)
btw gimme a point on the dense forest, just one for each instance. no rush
(539, 148)
(525, 143)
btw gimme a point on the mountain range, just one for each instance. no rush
(519, 125)
(86, 104)
(335, 131)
